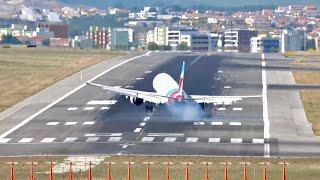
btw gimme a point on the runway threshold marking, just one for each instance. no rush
(4, 140)
(25, 140)
(88, 123)
(235, 123)
(89, 108)
(214, 140)
(237, 109)
(25, 121)
(102, 102)
(92, 139)
(192, 139)
(72, 109)
(47, 140)
(170, 139)
(236, 140)
(70, 139)
(137, 130)
(216, 123)
(114, 139)
(147, 139)
(266, 122)
(52, 123)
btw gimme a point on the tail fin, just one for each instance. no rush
(182, 77)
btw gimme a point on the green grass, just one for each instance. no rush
(298, 168)
(26, 71)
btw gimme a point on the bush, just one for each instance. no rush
(183, 47)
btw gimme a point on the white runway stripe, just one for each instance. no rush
(227, 87)
(192, 140)
(139, 78)
(92, 139)
(147, 118)
(90, 135)
(214, 140)
(258, 141)
(129, 87)
(70, 139)
(102, 102)
(235, 123)
(221, 109)
(104, 108)
(52, 123)
(142, 124)
(169, 139)
(4, 140)
(48, 140)
(148, 72)
(216, 123)
(237, 109)
(70, 123)
(137, 130)
(25, 140)
(236, 140)
(147, 139)
(88, 108)
(165, 134)
(114, 139)
(88, 123)
(198, 123)
(72, 109)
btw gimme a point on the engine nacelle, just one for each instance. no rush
(136, 101)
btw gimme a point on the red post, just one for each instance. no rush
(245, 173)
(187, 176)
(70, 176)
(206, 172)
(284, 177)
(90, 172)
(129, 170)
(12, 177)
(109, 171)
(31, 174)
(226, 171)
(168, 171)
(264, 177)
(148, 171)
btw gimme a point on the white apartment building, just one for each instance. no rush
(256, 44)
(173, 38)
(231, 41)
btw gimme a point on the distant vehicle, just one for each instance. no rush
(168, 91)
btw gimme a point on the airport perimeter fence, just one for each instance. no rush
(146, 170)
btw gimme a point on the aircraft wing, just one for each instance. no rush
(219, 100)
(151, 97)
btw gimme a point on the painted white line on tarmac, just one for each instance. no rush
(147, 139)
(139, 78)
(192, 139)
(4, 140)
(257, 141)
(3, 135)
(71, 123)
(266, 122)
(147, 118)
(114, 139)
(88, 123)
(52, 123)
(237, 109)
(170, 139)
(227, 87)
(124, 146)
(25, 140)
(235, 123)
(142, 124)
(198, 123)
(137, 130)
(236, 140)
(72, 109)
(148, 72)
(104, 108)
(90, 135)
(165, 134)
(70, 139)
(92, 139)
(47, 140)
(102, 102)
(214, 140)
(88, 108)
(221, 109)
(216, 123)
(129, 87)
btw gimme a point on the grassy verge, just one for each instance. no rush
(310, 98)
(24, 71)
(304, 54)
(307, 168)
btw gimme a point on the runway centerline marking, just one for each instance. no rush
(235, 123)
(137, 130)
(48, 140)
(88, 123)
(52, 123)
(148, 72)
(237, 109)
(70, 123)
(147, 118)
(257, 141)
(192, 139)
(227, 87)
(266, 130)
(114, 139)
(92, 139)
(25, 121)
(214, 140)
(170, 139)
(72, 109)
(104, 108)
(216, 123)
(139, 78)
(221, 109)
(70, 139)
(142, 124)
(90, 135)
(25, 140)
(102, 102)
(88, 108)
(4, 140)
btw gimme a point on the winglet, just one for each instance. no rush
(182, 77)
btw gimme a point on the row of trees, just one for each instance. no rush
(155, 47)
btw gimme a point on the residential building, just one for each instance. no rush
(270, 45)
(200, 42)
(100, 36)
(59, 30)
(293, 40)
(256, 45)
(231, 41)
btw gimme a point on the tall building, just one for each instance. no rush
(293, 40)
(100, 37)
(239, 40)
(200, 42)
(231, 41)
(59, 30)
(122, 38)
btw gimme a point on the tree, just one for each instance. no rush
(9, 39)
(183, 47)
(153, 46)
(166, 48)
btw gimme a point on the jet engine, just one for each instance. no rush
(136, 101)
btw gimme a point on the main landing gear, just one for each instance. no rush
(149, 108)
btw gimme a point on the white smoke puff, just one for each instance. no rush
(186, 111)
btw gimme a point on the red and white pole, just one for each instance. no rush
(129, 169)
(167, 169)
(148, 176)
(206, 170)
(109, 174)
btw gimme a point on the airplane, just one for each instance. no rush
(168, 91)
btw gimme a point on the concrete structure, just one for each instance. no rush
(293, 40)
(200, 42)
(122, 38)
(256, 45)
(270, 45)
(101, 37)
(231, 41)
(239, 40)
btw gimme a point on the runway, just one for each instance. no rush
(92, 121)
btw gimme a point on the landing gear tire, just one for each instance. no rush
(149, 108)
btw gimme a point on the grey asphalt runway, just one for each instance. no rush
(92, 120)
